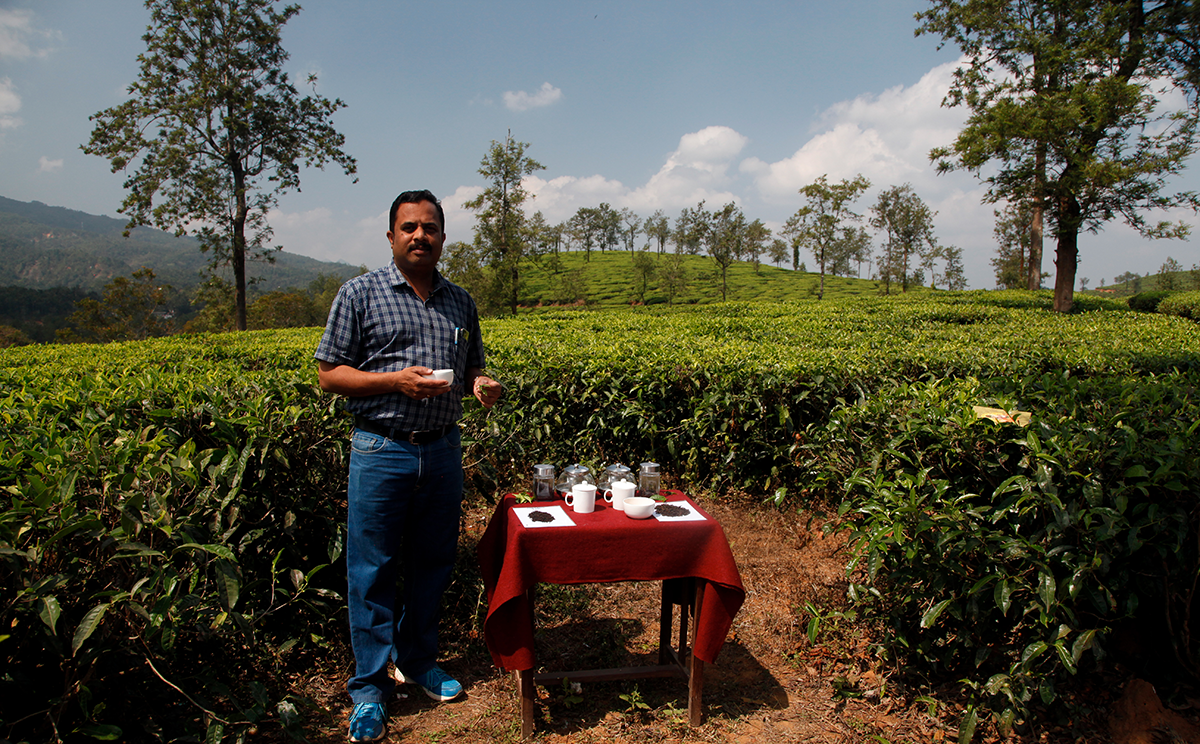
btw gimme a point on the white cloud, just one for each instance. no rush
(697, 170)
(322, 234)
(46, 165)
(10, 104)
(16, 28)
(460, 221)
(885, 137)
(522, 101)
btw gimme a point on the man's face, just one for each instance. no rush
(416, 238)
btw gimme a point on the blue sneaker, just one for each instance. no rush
(436, 684)
(368, 722)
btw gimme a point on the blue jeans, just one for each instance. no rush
(405, 505)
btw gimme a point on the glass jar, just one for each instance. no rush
(649, 480)
(543, 483)
(612, 474)
(571, 475)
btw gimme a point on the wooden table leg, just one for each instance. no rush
(525, 693)
(696, 693)
(696, 670)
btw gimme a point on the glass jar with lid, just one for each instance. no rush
(543, 483)
(612, 474)
(571, 475)
(649, 480)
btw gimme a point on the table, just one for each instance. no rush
(691, 558)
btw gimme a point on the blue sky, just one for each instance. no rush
(645, 105)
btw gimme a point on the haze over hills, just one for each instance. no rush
(43, 246)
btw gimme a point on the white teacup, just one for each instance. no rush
(582, 498)
(618, 492)
(639, 507)
(444, 374)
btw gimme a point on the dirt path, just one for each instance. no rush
(769, 684)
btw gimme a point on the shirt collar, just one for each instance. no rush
(396, 279)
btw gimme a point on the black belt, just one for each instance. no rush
(396, 434)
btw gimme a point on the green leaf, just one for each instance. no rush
(221, 551)
(1082, 643)
(228, 584)
(87, 626)
(215, 733)
(931, 615)
(1003, 595)
(1137, 471)
(1047, 588)
(966, 727)
(50, 613)
(102, 731)
(1032, 651)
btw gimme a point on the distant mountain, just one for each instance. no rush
(43, 246)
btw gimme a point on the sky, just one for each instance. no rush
(645, 105)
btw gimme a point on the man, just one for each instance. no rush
(388, 331)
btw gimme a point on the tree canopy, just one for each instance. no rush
(502, 235)
(1068, 99)
(213, 132)
(826, 224)
(907, 225)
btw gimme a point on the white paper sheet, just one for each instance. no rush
(558, 516)
(693, 515)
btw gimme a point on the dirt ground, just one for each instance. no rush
(768, 685)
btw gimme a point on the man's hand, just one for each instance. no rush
(418, 383)
(487, 390)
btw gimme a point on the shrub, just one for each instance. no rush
(1183, 304)
(1147, 302)
(1003, 555)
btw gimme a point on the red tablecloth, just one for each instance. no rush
(604, 546)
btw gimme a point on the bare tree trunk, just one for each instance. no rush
(1066, 258)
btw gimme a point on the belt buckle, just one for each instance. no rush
(411, 437)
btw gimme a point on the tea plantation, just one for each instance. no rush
(173, 508)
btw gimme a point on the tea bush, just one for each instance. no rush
(1147, 302)
(1183, 304)
(174, 507)
(1002, 555)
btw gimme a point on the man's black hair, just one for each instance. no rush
(416, 197)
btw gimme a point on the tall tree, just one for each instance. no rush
(658, 226)
(726, 240)
(214, 131)
(501, 232)
(825, 225)
(690, 229)
(584, 229)
(757, 235)
(907, 224)
(1015, 245)
(608, 226)
(631, 225)
(643, 272)
(673, 275)
(778, 251)
(1066, 98)
(953, 274)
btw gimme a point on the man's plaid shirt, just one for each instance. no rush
(378, 324)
